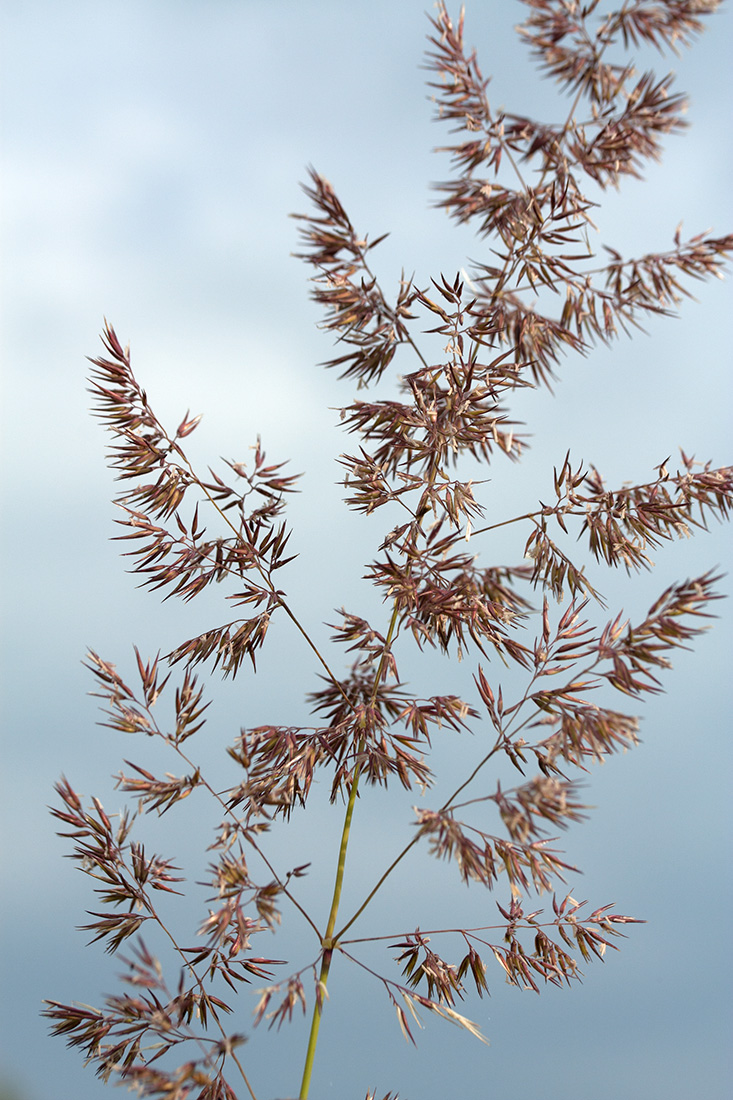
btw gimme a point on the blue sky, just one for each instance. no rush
(152, 154)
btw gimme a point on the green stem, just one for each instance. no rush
(328, 943)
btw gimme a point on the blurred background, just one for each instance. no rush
(152, 152)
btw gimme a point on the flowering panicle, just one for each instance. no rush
(470, 341)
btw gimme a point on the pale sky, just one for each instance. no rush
(152, 152)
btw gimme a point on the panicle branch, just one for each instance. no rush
(356, 309)
(542, 228)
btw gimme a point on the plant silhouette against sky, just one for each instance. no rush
(450, 352)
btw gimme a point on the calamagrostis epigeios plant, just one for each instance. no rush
(464, 346)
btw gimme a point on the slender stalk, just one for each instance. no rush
(398, 859)
(250, 840)
(328, 943)
(376, 888)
